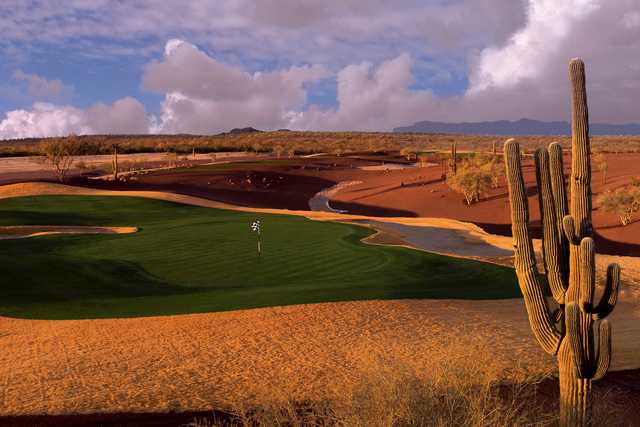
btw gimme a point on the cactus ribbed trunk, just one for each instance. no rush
(115, 163)
(568, 250)
(575, 393)
(453, 163)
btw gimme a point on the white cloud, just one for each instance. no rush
(203, 95)
(371, 99)
(40, 88)
(525, 77)
(126, 115)
(513, 53)
(527, 53)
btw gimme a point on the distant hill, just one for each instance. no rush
(237, 131)
(518, 127)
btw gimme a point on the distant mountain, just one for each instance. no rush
(236, 131)
(518, 127)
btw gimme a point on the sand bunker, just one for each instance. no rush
(389, 167)
(320, 202)
(23, 231)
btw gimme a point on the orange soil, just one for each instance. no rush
(208, 360)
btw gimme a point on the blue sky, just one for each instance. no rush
(95, 66)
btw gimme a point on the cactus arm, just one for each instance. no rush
(540, 317)
(560, 202)
(604, 350)
(574, 324)
(551, 248)
(587, 275)
(570, 230)
(610, 295)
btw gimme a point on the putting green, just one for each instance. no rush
(188, 259)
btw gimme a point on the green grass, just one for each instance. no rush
(189, 259)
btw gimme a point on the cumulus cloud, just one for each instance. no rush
(371, 99)
(126, 115)
(336, 32)
(526, 54)
(203, 95)
(40, 88)
(382, 56)
(527, 77)
(524, 77)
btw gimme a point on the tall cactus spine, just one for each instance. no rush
(453, 162)
(115, 163)
(576, 332)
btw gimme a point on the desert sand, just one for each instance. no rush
(208, 360)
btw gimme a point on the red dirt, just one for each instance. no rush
(406, 192)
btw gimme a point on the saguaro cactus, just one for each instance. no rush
(115, 163)
(576, 332)
(453, 161)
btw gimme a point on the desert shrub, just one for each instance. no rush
(465, 385)
(623, 201)
(471, 180)
(408, 153)
(600, 160)
(81, 165)
(425, 158)
(291, 151)
(277, 150)
(58, 153)
(172, 159)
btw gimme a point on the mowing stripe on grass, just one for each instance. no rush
(189, 259)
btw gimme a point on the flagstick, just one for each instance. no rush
(259, 251)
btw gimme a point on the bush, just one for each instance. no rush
(408, 153)
(623, 201)
(58, 153)
(600, 161)
(471, 180)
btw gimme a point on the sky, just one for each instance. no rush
(207, 66)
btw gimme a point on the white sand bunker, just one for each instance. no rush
(24, 231)
(320, 202)
(389, 166)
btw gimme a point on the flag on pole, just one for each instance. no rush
(256, 228)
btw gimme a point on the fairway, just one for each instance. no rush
(188, 259)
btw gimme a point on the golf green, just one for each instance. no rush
(188, 259)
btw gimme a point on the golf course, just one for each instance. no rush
(190, 259)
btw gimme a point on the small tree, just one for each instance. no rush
(408, 153)
(601, 163)
(58, 153)
(424, 159)
(623, 201)
(277, 150)
(172, 159)
(471, 181)
(493, 167)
